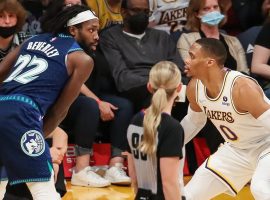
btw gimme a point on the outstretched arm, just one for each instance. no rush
(195, 119)
(80, 66)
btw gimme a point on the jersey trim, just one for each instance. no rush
(20, 98)
(221, 177)
(34, 179)
(221, 91)
(240, 113)
(75, 47)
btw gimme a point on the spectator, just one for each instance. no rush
(12, 18)
(132, 49)
(108, 12)
(36, 9)
(203, 19)
(169, 16)
(260, 64)
(87, 115)
(244, 14)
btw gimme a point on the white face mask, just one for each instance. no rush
(212, 18)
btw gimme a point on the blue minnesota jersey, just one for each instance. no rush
(40, 70)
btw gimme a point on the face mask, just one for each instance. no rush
(5, 32)
(138, 23)
(212, 18)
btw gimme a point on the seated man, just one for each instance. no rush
(132, 49)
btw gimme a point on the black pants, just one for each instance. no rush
(83, 121)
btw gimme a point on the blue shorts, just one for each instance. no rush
(23, 150)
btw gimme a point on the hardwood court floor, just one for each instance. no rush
(125, 193)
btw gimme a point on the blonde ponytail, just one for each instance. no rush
(151, 121)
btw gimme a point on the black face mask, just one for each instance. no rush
(138, 23)
(5, 32)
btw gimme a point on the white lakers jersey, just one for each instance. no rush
(242, 130)
(168, 14)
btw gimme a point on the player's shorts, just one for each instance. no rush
(23, 150)
(235, 167)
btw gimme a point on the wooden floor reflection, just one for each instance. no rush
(109, 193)
(125, 193)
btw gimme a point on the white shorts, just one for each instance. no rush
(235, 167)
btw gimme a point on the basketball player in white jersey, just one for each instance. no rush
(236, 105)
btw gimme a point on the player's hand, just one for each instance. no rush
(106, 111)
(57, 155)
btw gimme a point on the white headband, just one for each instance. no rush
(81, 17)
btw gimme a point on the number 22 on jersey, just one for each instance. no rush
(38, 65)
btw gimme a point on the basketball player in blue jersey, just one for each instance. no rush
(40, 80)
(238, 108)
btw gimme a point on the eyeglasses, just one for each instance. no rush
(134, 11)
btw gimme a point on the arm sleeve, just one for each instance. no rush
(264, 119)
(192, 123)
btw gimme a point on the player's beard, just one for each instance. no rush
(86, 49)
